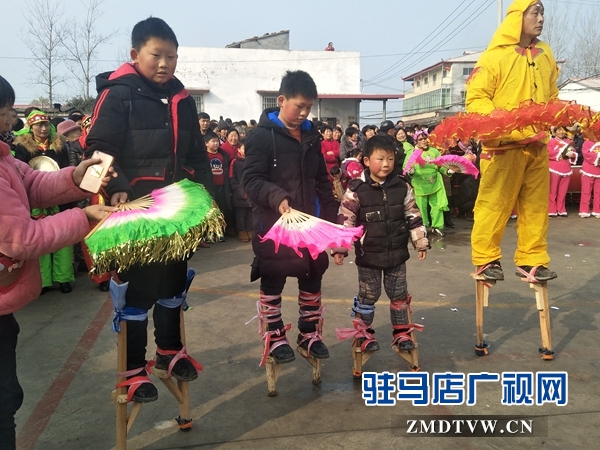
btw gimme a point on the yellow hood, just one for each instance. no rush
(509, 31)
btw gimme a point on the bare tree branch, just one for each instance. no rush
(81, 43)
(44, 32)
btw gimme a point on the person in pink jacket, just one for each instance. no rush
(330, 149)
(590, 179)
(562, 155)
(23, 240)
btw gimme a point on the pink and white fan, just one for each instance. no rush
(457, 164)
(414, 159)
(299, 230)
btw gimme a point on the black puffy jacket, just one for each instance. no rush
(279, 167)
(134, 121)
(385, 240)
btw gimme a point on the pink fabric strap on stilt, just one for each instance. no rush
(529, 276)
(404, 335)
(178, 354)
(273, 339)
(360, 330)
(135, 382)
(314, 300)
(400, 305)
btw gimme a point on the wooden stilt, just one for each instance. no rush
(359, 358)
(541, 301)
(482, 294)
(315, 363)
(273, 370)
(272, 367)
(122, 419)
(180, 391)
(411, 356)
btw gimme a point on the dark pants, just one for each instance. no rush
(243, 218)
(11, 394)
(274, 286)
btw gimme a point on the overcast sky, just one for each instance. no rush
(393, 42)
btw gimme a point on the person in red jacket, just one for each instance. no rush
(330, 149)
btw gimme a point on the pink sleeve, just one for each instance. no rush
(22, 238)
(553, 148)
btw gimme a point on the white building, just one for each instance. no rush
(437, 91)
(240, 83)
(585, 91)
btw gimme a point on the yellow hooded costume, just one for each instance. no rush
(513, 174)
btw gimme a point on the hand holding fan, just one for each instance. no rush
(299, 230)
(457, 164)
(415, 158)
(163, 226)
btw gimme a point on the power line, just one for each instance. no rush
(422, 43)
(479, 11)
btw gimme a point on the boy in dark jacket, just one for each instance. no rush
(219, 165)
(285, 168)
(239, 198)
(147, 121)
(384, 204)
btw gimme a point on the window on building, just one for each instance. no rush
(434, 78)
(428, 102)
(467, 71)
(463, 96)
(426, 80)
(199, 100)
(418, 83)
(269, 101)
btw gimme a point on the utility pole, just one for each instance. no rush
(500, 10)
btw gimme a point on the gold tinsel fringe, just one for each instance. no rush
(161, 249)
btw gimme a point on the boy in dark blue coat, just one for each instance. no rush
(285, 168)
(146, 119)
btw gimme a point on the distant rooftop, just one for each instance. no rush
(279, 40)
(466, 57)
(589, 82)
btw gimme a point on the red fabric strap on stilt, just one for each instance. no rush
(273, 339)
(360, 330)
(403, 335)
(400, 305)
(133, 383)
(179, 354)
(316, 315)
(529, 276)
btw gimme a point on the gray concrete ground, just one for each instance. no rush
(67, 356)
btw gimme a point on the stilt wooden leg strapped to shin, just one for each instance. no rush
(405, 332)
(269, 313)
(310, 323)
(360, 332)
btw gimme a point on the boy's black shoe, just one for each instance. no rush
(283, 354)
(65, 288)
(541, 274)
(145, 393)
(371, 346)
(493, 271)
(104, 286)
(183, 370)
(406, 345)
(44, 290)
(317, 350)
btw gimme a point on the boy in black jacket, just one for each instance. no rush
(384, 204)
(285, 168)
(146, 119)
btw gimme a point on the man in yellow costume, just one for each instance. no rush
(516, 67)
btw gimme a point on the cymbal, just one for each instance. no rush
(43, 164)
